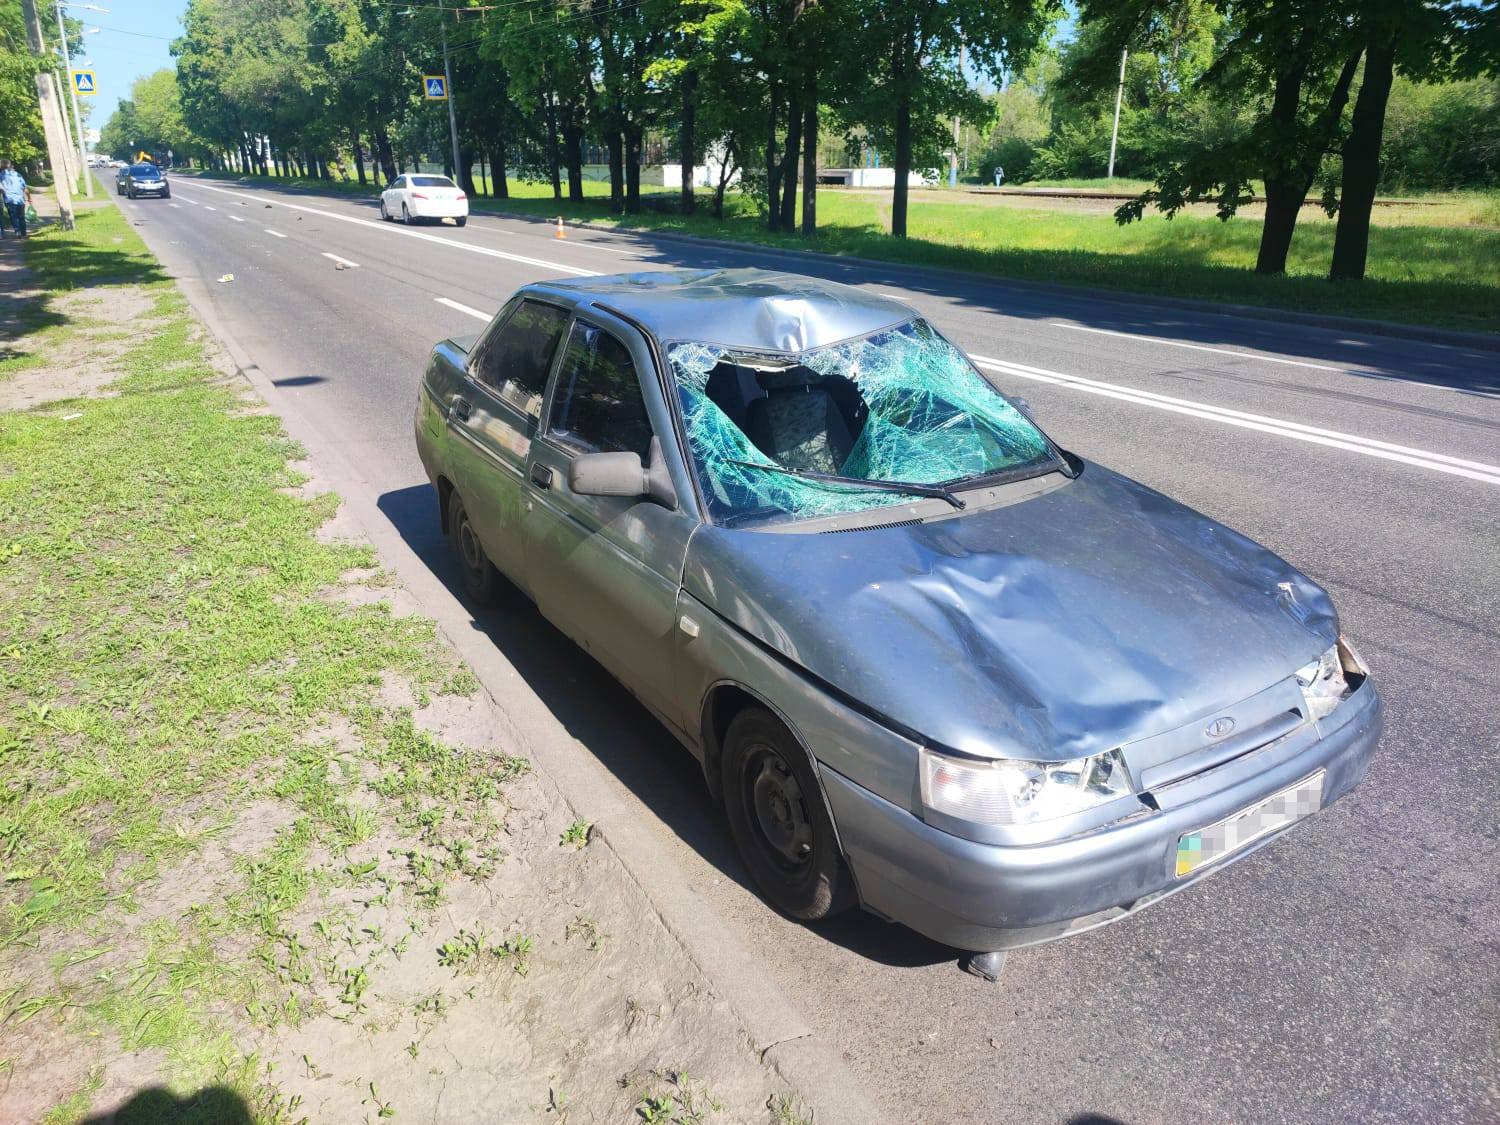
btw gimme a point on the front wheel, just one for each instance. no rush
(167, 194)
(480, 578)
(130, 193)
(779, 821)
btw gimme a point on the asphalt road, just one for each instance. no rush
(1348, 972)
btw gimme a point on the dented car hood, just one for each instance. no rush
(1061, 626)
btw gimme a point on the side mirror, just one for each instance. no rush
(621, 474)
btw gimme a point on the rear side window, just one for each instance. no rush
(516, 359)
(598, 400)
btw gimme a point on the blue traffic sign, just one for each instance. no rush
(83, 82)
(434, 87)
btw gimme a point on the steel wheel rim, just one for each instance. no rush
(469, 550)
(778, 810)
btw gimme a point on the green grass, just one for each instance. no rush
(169, 653)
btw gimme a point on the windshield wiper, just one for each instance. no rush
(910, 488)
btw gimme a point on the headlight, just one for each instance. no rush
(1010, 792)
(1323, 683)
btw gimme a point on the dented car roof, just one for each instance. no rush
(757, 310)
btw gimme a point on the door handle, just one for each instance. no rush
(462, 408)
(541, 476)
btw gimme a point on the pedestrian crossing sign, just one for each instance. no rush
(83, 82)
(435, 87)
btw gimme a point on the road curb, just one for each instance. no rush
(778, 1034)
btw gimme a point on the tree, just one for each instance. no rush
(910, 80)
(20, 120)
(1293, 61)
(1423, 40)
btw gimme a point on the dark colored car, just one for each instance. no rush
(931, 662)
(136, 180)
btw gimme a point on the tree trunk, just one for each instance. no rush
(773, 212)
(903, 165)
(552, 146)
(634, 137)
(1283, 203)
(687, 141)
(383, 153)
(810, 158)
(359, 158)
(616, 146)
(1351, 240)
(466, 176)
(727, 163)
(789, 162)
(573, 150)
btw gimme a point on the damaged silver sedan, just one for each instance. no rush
(932, 663)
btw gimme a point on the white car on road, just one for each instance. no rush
(417, 196)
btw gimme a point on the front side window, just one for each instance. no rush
(598, 402)
(516, 358)
(900, 407)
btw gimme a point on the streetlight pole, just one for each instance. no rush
(448, 86)
(52, 124)
(1114, 136)
(83, 160)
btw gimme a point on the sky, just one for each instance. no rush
(132, 41)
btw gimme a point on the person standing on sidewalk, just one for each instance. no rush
(15, 194)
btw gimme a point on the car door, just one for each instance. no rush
(607, 570)
(391, 196)
(493, 422)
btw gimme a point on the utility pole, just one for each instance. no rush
(1114, 136)
(83, 159)
(953, 155)
(52, 124)
(448, 85)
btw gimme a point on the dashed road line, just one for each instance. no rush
(471, 247)
(236, 218)
(336, 258)
(275, 233)
(475, 313)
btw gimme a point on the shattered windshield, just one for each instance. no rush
(901, 406)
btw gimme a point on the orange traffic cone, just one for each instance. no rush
(560, 232)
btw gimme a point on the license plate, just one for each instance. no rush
(1198, 849)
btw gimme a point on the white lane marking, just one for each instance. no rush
(1353, 443)
(177, 205)
(236, 218)
(336, 258)
(276, 233)
(893, 296)
(1199, 347)
(471, 247)
(475, 313)
(206, 207)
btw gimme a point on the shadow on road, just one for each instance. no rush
(625, 737)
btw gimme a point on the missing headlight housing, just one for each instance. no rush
(1010, 792)
(1328, 680)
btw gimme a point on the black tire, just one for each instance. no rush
(167, 194)
(385, 216)
(779, 822)
(480, 578)
(130, 193)
(461, 221)
(405, 216)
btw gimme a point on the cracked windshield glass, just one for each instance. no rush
(777, 437)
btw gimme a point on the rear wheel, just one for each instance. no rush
(779, 821)
(480, 578)
(461, 220)
(385, 216)
(405, 215)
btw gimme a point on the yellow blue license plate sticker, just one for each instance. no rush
(1199, 848)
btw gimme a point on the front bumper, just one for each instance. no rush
(986, 897)
(154, 188)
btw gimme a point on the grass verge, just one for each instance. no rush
(176, 665)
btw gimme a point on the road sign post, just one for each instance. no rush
(79, 82)
(52, 125)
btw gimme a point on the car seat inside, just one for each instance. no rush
(795, 416)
